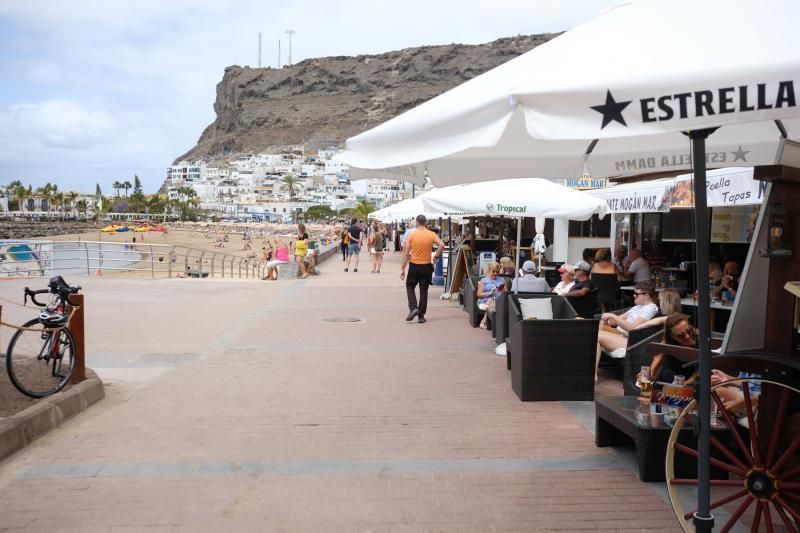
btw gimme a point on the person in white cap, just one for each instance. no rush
(567, 272)
(528, 282)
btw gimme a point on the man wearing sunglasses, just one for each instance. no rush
(613, 335)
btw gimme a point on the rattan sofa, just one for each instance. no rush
(551, 359)
(471, 301)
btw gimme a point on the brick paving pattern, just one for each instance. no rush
(233, 406)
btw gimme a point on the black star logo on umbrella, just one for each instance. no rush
(611, 110)
(740, 154)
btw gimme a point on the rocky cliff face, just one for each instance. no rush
(326, 100)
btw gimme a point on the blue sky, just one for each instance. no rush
(97, 91)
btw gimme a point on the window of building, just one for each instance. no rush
(594, 227)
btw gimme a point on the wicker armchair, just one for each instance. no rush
(471, 301)
(636, 355)
(501, 315)
(608, 285)
(551, 359)
(585, 305)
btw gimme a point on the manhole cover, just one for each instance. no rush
(342, 319)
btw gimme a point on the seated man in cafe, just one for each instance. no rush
(638, 270)
(729, 283)
(613, 334)
(528, 282)
(582, 284)
(621, 259)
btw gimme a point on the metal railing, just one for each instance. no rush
(35, 258)
(44, 258)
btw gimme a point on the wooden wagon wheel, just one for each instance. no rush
(761, 486)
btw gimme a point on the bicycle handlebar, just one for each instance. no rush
(33, 294)
(56, 286)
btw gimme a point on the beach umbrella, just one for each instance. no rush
(648, 86)
(521, 197)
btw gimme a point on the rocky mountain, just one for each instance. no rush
(323, 101)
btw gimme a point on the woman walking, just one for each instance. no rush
(301, 250)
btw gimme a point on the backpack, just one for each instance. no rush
(378, 242)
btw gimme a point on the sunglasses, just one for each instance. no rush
(685, 333)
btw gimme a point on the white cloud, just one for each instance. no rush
(61, 124)
(130, 84)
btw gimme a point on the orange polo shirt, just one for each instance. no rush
(421, 244)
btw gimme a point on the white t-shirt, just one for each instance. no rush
(641, 270)
(636, 312)
(563, 287)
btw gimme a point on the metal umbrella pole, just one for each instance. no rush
(703, 519)
(516, 261)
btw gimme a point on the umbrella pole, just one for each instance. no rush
(703, 519)
(516, 262)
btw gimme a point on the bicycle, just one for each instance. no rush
(40, 357)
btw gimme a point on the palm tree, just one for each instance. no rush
(363, 209)
(71, 196)
(83, 207)
(16, 191)
(126, 185)
(290, 184)
(46, 193)
(117, 186)
(58, 201)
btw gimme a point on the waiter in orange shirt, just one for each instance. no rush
(418, 249)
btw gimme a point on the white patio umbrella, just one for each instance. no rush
(616, 95)
(522, 197)
(410, 208)
(626, 79)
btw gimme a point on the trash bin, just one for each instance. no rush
(438, 276)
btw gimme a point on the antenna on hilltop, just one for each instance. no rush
(279, 53)
(290, 33)
(259, 49)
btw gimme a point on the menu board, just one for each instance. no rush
(733, 224)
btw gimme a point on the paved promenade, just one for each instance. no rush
(235, 406)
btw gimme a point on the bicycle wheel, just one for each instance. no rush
(40, 362)
(757, 465)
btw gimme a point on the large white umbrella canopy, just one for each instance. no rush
(522, 197)
(410, 208)
(633, 79)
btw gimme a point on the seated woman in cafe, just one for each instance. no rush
(669, 302)
(567, 272)
(489, 289)
(506, 266)
(678, 331)
(613, 334)
(602, 262)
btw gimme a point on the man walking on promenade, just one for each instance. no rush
(355, 234)
(417, 249)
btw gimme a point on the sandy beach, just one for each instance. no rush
(189, 240)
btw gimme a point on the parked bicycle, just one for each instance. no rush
(41, 355)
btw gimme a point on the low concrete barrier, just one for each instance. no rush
(21, 429)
